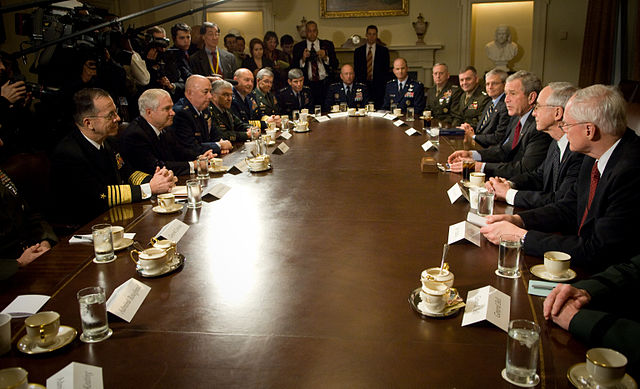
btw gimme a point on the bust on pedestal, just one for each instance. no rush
(501, 50)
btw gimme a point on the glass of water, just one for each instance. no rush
(295, 115)
(393, 107)
(102, 242)
(317, 111)
(93, 313)
(509, 255)
(485, 203)
(409, 117)
(522, 353)
(203, 167)
(194, 194)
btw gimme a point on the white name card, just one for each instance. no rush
(282, 148)
(454, 193)
(490, 304)
(390, 116)
(476, 219)
(464, 230)
(241, 167)
(322, 118)
(376, 114)
(286, 135)
(427, 145)
(26, 305)
(127, 298)
(412, 131)
(174, 230)
(338, 115)
(398, 123)
(219, 190)
(77, 376)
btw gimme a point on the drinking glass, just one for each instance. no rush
(509, 256)
(194, 194)
(317, 110)
(285, 122)
(467, 167)
(343, 107)
(409, 117)
(203, 167)
(522, 353)
(295, 115)
(102, 242)
(485, 203)
(93, 313)
(393, 107)
(371, 107)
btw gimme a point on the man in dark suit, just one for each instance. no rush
(595, 218)
(212, 59)
(552, 180)
(148, 142)
(402, 91)
(371, 65)
(525, 148)
(443, 95)
(492, 127)
(471, 102)
(318, 61)
(355, 94)
(177, 65)
(296, 96)
(88, 174)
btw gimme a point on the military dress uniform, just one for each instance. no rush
(357, 97)
(192, 130)
(267, 103)
(247, 110)
(289, 102)
(228, 125)
(441, 102)
(411, 95)
(469, 109)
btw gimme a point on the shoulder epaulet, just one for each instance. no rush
(392, 81)
(335, 84)
(306, 88)
(455, 87)
(282, 90)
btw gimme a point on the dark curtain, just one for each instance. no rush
(598, 49)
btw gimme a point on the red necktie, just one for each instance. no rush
(516, 136)
(595, 178)
(315, 74)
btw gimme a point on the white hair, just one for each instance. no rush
(150, 99)
(602, 105)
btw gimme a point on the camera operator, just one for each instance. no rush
(156, 47)
(177, 59)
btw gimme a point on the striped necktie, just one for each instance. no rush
(486, 117)
(370, 64)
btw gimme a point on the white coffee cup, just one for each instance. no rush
(433, 274)
(302, 126)
(5, 333)
(476, 178)
(361, 111)
(166, 200)
(151, 260)
(556, 262)
(272, 134)
(426, 114)
(117, 232)
(397, 111)
(164, 244)
(605, 366)
(335, 108)
(434, 294)
(351, 111)
(216, 163)
(14, 378)
(42, 328)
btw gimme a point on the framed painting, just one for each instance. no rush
(361, 8)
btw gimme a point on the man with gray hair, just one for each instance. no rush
(443, 95)
(594, 218)
(525, 148)
(149, 142)
(296, 96)
(224, 120)
(552, 180)
(244, 105)
(266, 100)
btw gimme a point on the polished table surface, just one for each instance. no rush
(299, 277)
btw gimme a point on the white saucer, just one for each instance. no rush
(578, 376)
(174, 264)
(273, 142)
(415, 302)
(535, 382)
(517, 275)
(268, 167)
(541, 272)
(175, 208)
(109, 261)
(306, 130)
(122, 244)
(65, 336)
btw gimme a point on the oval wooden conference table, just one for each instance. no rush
(299, 277)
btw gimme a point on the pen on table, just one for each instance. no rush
(88, 239)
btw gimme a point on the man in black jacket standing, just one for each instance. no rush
(371, 65)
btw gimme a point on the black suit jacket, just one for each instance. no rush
(200, 63)
(380, 65)
(607, 236)
(144, 150)
(86, 182)
(531, 149)
(331, 67)
(495, 130)
(191, 130)
(536, 189)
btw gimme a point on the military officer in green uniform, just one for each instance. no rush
(443, 95)
(228, 125)
(267, 101)
(472, 102)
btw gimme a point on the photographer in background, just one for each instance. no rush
(154, 55)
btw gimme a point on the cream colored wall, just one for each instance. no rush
(518, 16)
(248, 23)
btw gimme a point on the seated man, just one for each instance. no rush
(190, 126)
(148, 142)
(88, 174)
(593, 311)
(24, 235)
(555, 176)
(525, 148)
(492, 129)
(244, 105)
(471, 102)
(401, 91)
(224, 121)
(595, 216)
(296, 96)
(355, 94)
(443, 95)
(267, 101)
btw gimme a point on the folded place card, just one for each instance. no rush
(286, 135)
(490, 304)
(322, 118)
(454, 193)
(127, 298)
(26, 305)
(338, 115)
(412, 131)
(179, 190)
(240, 167)
(281, 149)
(427, 145)
(174, 230)
(77, 376)
(398, 123)
(541, 288)
(376, 114)
(476, 219)
(464, 230)
(390, 116)
(218, 190)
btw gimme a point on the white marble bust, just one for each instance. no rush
(501, 50)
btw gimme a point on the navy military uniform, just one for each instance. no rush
(440, 102)
(267, 103)
(469, 109)
(289, 102)
(247, 109)
(228, 125)
(411, 95)
(357, 96)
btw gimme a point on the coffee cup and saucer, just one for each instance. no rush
(259, 164)
(162, 258)
(119, 241)
(555, 267)
(216, 166)
(17, 378)
(167, 204)
(45, 334)
(604, 369)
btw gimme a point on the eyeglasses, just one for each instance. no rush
(565, 126)
(110, 116)
(537, 106)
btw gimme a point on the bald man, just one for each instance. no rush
(355, 94)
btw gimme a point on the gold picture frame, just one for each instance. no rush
(362, 8)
